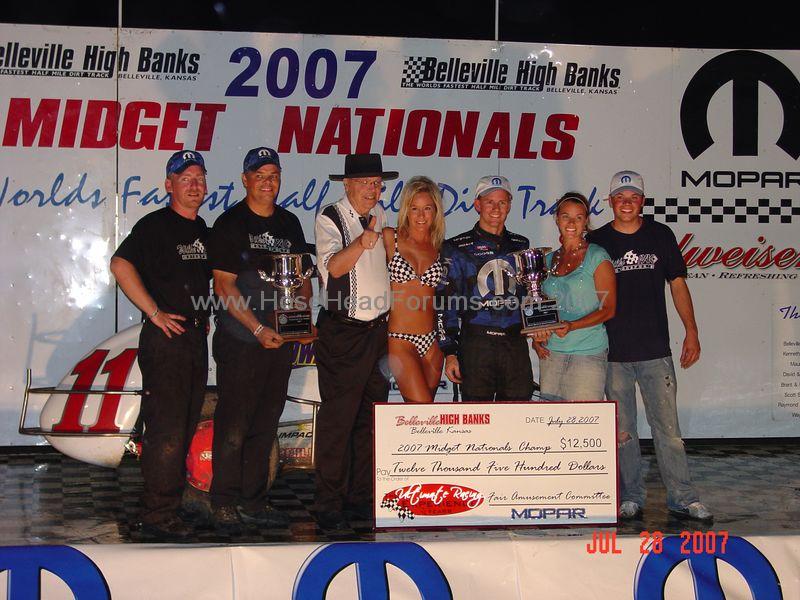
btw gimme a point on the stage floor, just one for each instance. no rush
(46, 498)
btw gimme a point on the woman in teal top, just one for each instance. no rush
(572, 363)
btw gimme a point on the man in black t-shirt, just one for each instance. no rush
(645, 256)
(253, 362)
(162, 268)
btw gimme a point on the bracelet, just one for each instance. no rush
(258, 330)
(153, 316)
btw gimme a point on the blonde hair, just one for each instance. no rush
(422, 185)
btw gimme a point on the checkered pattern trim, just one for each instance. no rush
(412, 71)
(422, 342)
(399, 270)
(351, 309)
(403, 512)
(723, 210)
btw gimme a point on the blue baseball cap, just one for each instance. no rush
(182, 159)
(258, 157)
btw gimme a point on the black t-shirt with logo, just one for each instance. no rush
(242, 242)
(644, 262)
(169, 254)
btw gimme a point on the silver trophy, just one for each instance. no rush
(288, 276)
(537, 311)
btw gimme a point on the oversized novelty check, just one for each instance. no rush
(503, 464)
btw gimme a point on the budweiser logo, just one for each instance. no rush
(762, 256)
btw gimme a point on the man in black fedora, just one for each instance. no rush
(352, 342)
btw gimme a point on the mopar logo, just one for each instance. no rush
(654, 570)
(371, 561)
(549, 513)
(746, 69)
(499, 270)
(625, 179)
(25, 566)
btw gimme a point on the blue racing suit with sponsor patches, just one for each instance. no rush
(478, 315)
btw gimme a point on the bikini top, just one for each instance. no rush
(400, 271)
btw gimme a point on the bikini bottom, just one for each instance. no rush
(422, 342)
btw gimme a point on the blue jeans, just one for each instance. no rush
(657, 384)
(570, 377)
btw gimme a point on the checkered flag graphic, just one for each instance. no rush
(412, 71)
(403, 512)
(723, 210)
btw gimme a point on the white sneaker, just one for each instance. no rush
(696, 510)
(629, 510)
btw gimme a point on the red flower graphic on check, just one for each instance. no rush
(431, 499)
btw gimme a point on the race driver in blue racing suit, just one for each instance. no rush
(478, 304)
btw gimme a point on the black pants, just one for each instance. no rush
(495, 367)
(251, 383)
(174, 375)
(351, 380)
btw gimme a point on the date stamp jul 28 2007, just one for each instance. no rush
(692, 542)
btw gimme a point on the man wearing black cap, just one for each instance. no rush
(161, 266)
(352, 340)
(253, 363)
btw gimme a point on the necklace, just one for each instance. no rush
(569, 260)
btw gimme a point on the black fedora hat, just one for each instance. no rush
(364, 165)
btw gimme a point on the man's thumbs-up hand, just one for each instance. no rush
(370, 237)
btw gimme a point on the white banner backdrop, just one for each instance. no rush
(509, 567)
(89, 116)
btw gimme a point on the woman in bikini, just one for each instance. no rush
(415, 271)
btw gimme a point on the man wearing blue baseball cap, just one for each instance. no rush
(645, 256)
(253, 362)
(161, 266)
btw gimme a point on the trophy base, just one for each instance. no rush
(293, 323)
(539, 315)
